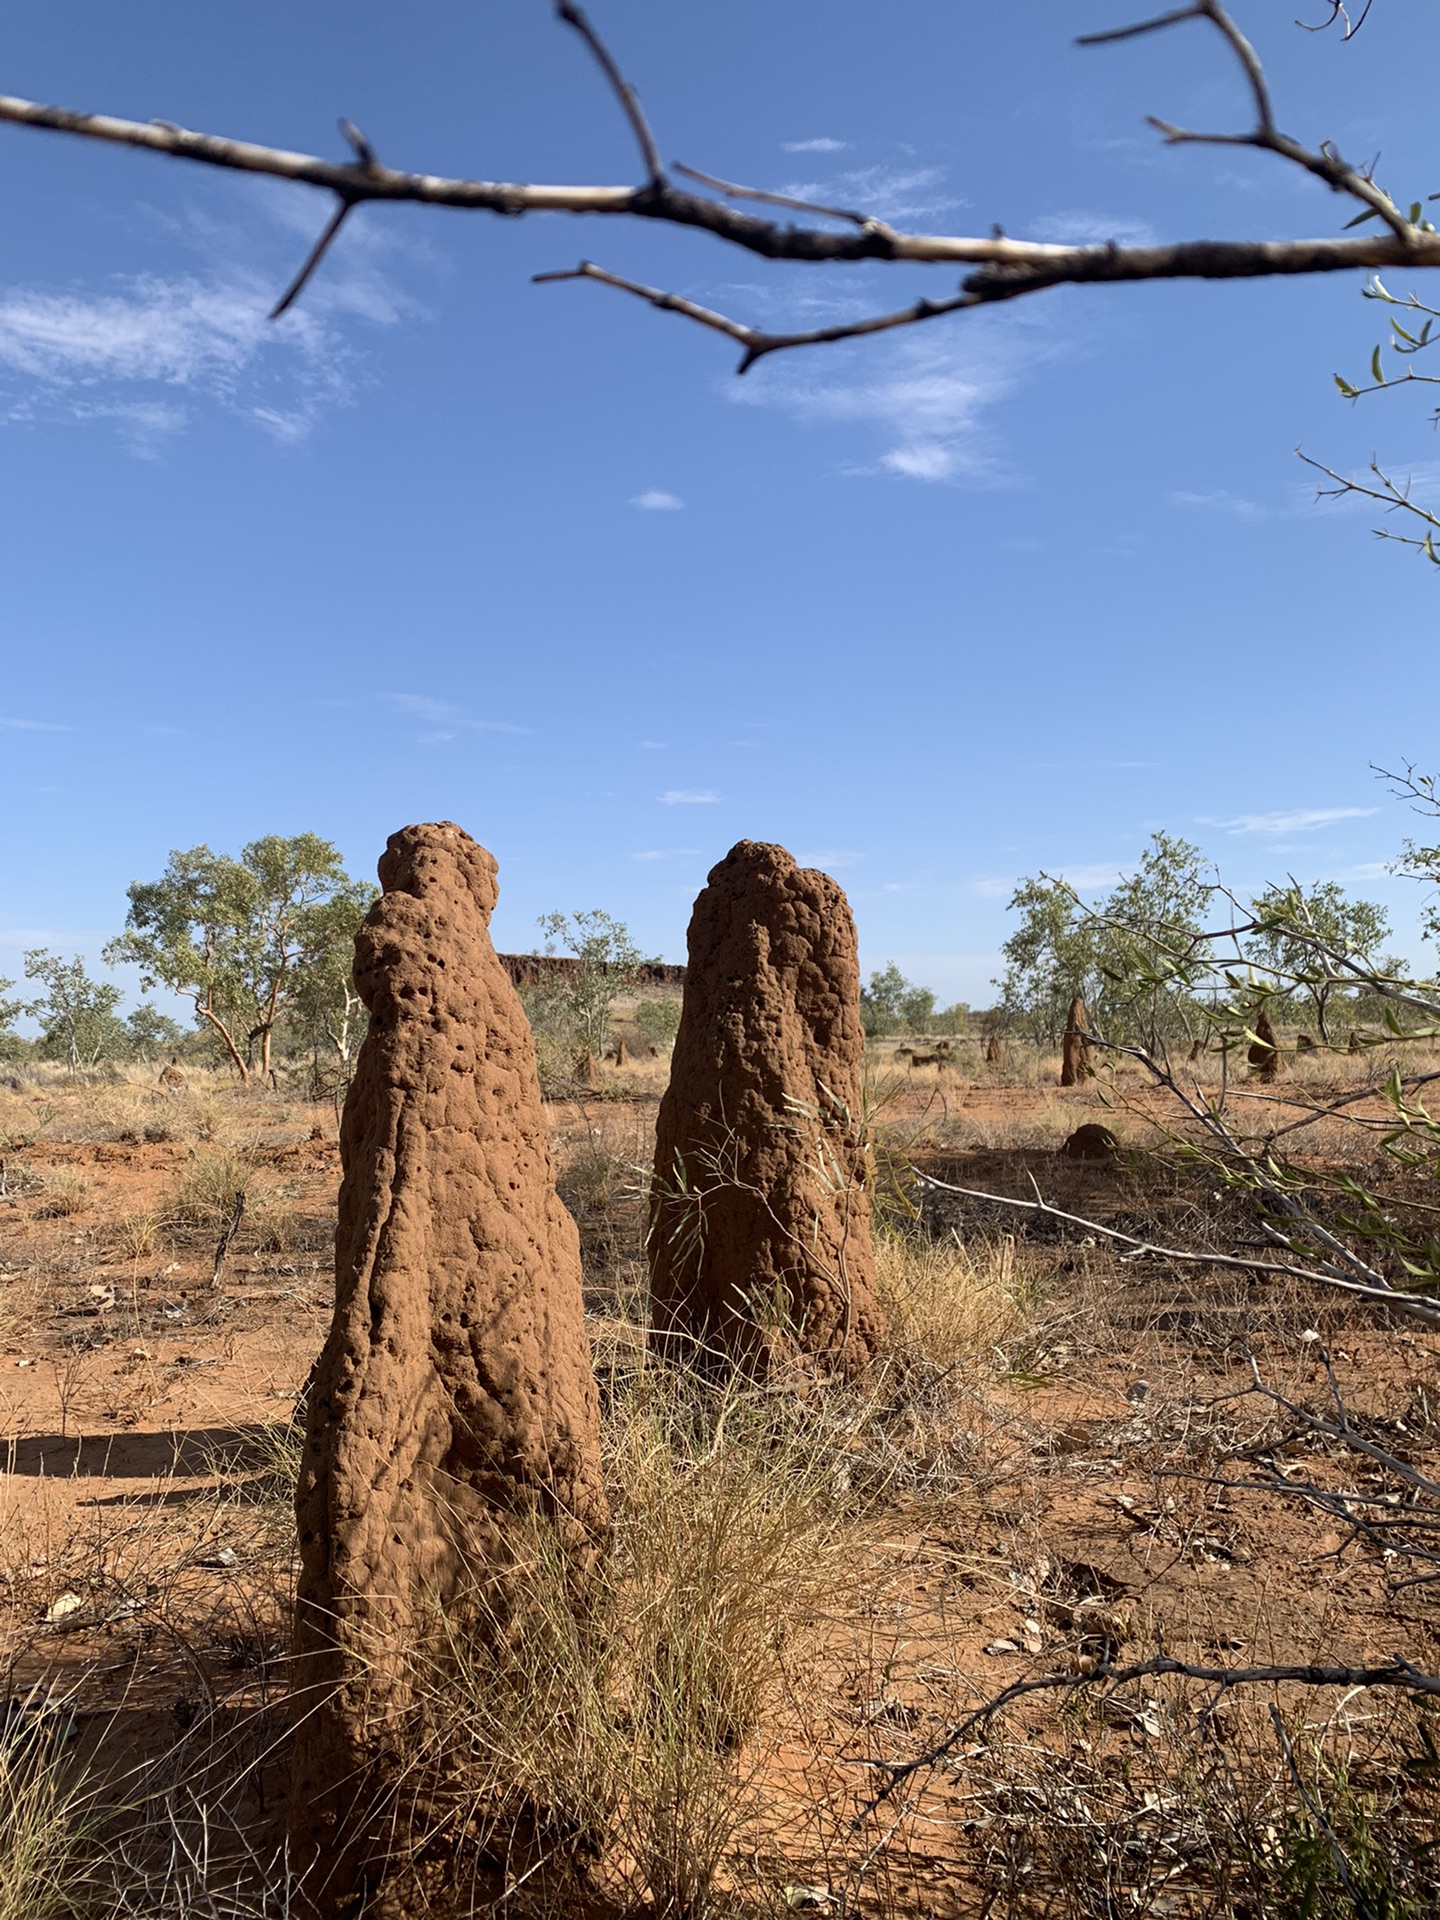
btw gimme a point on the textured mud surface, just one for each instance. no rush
(455, 1387)
(761, 1214)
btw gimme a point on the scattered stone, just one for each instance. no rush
(454, 1396)
(1091, 1142)
(62, 1607)
(998, 1647)
(1075, 1059)
(760, 1213)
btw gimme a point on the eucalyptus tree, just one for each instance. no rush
(240, 938)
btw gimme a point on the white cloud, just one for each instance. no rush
(446, 716)
(1294, 820)
(36, 726)
(667, 853)
(992, 887)
(821, 145)
(1218, 500)
(656, 500)
(887, 193)
(689, 797)
(145, 350)
(831, 859)
(1080, 229)
(925, 397)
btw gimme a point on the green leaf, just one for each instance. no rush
(1360, 219)
(1350, 393)
(1376, 369)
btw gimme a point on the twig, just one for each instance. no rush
(575, 17)
(228, 1235)
(1399, 1672)
(1417, 1304)
(755, 342)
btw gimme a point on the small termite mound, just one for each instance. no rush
(1075, 1060)
(1091, 1142)
(760, 1207)
(1264, 1053)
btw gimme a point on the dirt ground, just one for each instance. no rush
(1051, 1495)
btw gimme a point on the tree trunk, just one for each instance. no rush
(230, 1046)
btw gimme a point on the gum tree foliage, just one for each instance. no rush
(658, 1021)
(1356, 928)
(893, 1004)
(11, 1045)
(149, 1032)
(238, 938)
(578, 1009)
(1125, 957)
(77, 1016)
(327, 1015)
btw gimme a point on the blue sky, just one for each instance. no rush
(1001, 594)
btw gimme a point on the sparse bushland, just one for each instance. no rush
(804, 1580)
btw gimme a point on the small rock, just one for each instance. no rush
(807, 1899)
(997, 1647)
(224, 1557)
(62, 1608)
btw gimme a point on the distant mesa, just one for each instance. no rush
(532, 969)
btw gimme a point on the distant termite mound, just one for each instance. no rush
(1091, 1142)
(1264, 1054)
(760, 1216)
(995, 1051)
(1075, 1060)
(454, 1396)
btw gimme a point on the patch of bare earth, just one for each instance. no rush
(1033, 1471)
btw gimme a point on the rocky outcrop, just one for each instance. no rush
(536, 969)
(454, 1396)
(760, 1217)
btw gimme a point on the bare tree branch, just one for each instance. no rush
(755, 342)
(1003, 269)
(575, 17)
(1395, 1673)
(1338, 11)
(1412, 1303)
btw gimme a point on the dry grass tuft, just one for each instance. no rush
(950, 1304)
(47, 1820)
(204, 1194)
(634, 1736)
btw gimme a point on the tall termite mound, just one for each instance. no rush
(1264, 1054)
(1075, 1060)
(760, 1212)
(454, 1398)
